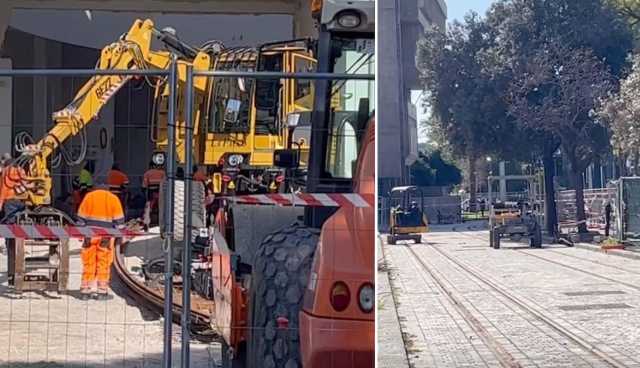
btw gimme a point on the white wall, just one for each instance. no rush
(74, 27)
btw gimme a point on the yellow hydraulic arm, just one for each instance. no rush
(131, 52)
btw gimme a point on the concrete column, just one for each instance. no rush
(503, 182)
(6, 83)
(303, 24)
(5, 17)
(6, 108)
(40, 89)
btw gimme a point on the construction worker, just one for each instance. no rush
(198, 175)
(102, 208)
(608, 209)
(118, 182)
(151, 184)
(12, 185)
(85, 178)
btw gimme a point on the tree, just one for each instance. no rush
(557, 94)
(629, 9)
(432, 170)
(466, 103)
(622, 113)
(523, 27)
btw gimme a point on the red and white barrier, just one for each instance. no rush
(57, 232)
(307, 199)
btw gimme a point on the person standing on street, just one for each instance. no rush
(101, 208)
(85, 178)
(607, 218)
(151, 181)
(118, 182)
(198, 175)
(12, 184)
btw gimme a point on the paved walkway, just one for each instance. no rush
(43, 330)
(388, 326)
(463, 304)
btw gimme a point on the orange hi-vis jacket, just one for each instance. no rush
(11, 183)
(101, 208)
(152, 177)
(98, 208)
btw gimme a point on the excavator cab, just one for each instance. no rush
(408, 220)
(239, 123)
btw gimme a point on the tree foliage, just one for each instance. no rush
(557, 93)
(560, 53)
(431, 169)
(621, 112)
(469, 112)
(630, 10)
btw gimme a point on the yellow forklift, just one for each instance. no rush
(408, 220)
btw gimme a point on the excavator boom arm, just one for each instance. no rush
(132, 52)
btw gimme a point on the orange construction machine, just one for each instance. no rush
(294, 286)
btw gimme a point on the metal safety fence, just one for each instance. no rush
(167, 251)
(439, 210)
(595, 201)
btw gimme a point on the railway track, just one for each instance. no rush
(505, 358)
(153, 297)
(577, 269)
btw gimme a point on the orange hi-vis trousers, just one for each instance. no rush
(97, 257)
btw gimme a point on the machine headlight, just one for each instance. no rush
(349, 20)
(366, 297)
(235, 160)
(158, 158)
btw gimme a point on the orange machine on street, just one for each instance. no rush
(294, 286)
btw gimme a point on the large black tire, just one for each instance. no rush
(279, 277)
(391, 240)
(198, 211)
(417, 239)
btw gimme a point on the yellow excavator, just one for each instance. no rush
(239, 123)
(131, 52)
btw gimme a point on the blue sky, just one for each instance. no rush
(456, 9)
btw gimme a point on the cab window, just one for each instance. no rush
(351, 104)
(268, 95)
(303, 88)
(230, 108)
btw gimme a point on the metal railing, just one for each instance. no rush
(168, 225)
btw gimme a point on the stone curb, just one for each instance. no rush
(613, 252)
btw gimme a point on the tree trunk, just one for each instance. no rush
(550, 215)
(622, 160)
(579, 187)
(472, 183)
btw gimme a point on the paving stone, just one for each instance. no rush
(546, 280)
(42, 330)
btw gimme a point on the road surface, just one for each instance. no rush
(462, 304)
